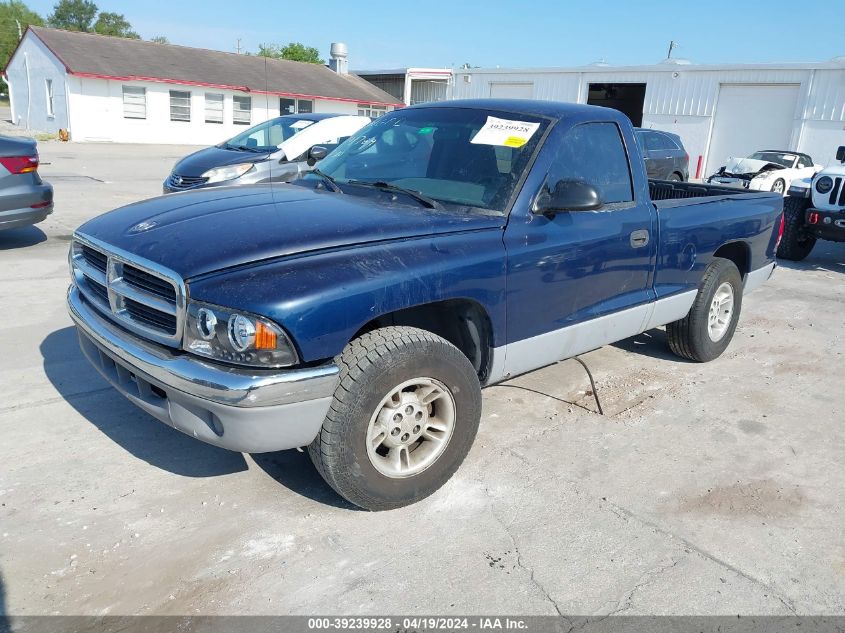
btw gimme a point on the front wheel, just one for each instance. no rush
(403, 418)
(796, 243)
(779, 186)
(709, 326)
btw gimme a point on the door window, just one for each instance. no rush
(594, 153)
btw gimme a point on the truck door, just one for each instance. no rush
(579, 279)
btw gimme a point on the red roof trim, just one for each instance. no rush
(184, 82)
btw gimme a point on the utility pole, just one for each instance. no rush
(672, 46)
(20, 31)
(238, 46)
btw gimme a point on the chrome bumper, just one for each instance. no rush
(239, 409)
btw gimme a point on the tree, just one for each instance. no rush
(114, 24)
(294, 51)
(14, 15)
(74, 15)
(160, 39)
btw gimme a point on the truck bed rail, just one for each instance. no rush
(672, 190)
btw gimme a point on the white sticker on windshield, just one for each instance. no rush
(505, 133)
(298, 125)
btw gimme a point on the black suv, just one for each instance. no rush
(664, 153)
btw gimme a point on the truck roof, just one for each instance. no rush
(551, 109)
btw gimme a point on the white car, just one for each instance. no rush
(769, 170)
(273, 151)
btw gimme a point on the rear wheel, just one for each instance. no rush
(675, 177)
(403, 418)
(796, 243)
(709, 326)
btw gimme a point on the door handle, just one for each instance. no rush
(639, 238)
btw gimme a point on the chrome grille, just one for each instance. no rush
(147, 299)
(185, 182)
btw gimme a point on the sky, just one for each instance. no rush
(442, 33)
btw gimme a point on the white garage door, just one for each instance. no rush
(511, 90)
(750, 118)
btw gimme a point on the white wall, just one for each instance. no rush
(682, 99)
(27, 73)
(96, 107)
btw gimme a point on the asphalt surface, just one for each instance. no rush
(704, 489)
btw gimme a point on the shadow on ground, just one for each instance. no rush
(652, 343)
(138, 433)
(21, 238)
(295, 471)
(5, 625)
(825, 257)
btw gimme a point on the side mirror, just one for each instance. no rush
(840, 154)
(316, 153)
(568, 195)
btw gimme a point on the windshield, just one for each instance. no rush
(470, 158)
(269, 135)
(778, 158)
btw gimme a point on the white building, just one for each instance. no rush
(412, 85)
(102, 88)
(718, 111)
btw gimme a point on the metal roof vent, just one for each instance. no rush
(339, 62)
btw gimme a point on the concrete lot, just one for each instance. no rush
(705, 489)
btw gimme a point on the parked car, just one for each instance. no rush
(275, 150)
(24, 198)
(443, 248)
(664, 154)
(814, 210)
(769, 170)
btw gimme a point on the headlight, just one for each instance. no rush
(229, 172)
(824, 184)
(236, 337)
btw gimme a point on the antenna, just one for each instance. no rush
(672, 46)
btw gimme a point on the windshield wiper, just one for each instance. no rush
(429, 203)
(244, 148)
(327, 180)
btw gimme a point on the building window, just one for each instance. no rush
(134, 102)
(372, 111)
(304, 106)
(287, 106)
(180, 105)
(241, 110)
(213, 108)
(48, 84)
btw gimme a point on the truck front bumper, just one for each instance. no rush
(240, 409)
(825, 224)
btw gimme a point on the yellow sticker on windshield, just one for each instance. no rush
(505, 132)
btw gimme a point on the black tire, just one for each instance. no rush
(689, 337)
(779, 186)
(675, 177)
(371, 366)
(796, 243)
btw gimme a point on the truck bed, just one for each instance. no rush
(666, 193)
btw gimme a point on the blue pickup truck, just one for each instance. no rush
(444, 248)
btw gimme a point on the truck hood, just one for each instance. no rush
(202, 231)
(749, 166)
